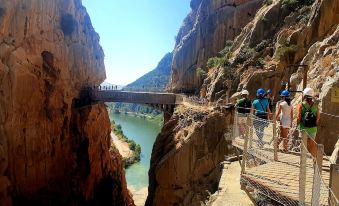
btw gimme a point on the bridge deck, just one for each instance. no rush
(136, 97)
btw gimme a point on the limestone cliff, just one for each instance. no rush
(186, 156)
(278, 34)
(204, 33)
(52, 153)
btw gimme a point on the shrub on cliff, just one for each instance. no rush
(215, 62)
(228, 46)
(295, 4)
(245, 54)
(285, 51)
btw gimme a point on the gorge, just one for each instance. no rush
(55, 152)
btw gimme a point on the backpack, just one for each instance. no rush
(309, 119)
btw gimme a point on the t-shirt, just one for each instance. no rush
(260, 106)
(285, 110)
(243, 104)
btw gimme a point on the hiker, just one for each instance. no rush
(308, 114)
(261, 109)
(244, 104)
(285, 117)
(268, 96)
(243, 107)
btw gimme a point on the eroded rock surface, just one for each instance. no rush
(186, 155)
(204, 33)
(50, 151)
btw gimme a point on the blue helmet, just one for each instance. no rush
(260, 92)
(285, 93)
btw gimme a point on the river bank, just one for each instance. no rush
(143, 132)
(128, 148)
(122, 146)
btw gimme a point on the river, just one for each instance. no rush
(143, 132)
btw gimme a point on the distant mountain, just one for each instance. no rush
(155, 80)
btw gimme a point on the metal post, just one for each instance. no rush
(302, 174)
(244, 156)
(334, 179)
(250, 124)
(317, 175)
(275, 138)
(235, 125)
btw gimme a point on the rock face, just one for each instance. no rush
(50, 151)
(186, 156)
(267, 43)
(204, 33)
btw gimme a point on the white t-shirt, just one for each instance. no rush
(285, 116)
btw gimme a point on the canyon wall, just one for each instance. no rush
(186, 156)
(275, 36)
(203, 34)
(51, 152)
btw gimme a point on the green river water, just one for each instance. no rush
(143, 132)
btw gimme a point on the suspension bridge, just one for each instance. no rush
(303, 175)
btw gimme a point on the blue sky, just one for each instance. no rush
(135, 34)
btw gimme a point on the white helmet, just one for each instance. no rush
(245, 92)
(308, 92)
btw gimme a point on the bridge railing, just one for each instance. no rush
(292, 174)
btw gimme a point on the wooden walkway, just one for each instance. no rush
(280, 179)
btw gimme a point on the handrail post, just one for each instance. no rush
(302, 174)
(250, 132)
(243, 165)
(235, 125)
(317, 175)
(275, 139)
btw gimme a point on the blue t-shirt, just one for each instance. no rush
(260, 106)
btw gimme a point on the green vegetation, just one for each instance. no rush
(261, 46)
(268, 2)
(244, 55)
(136, 148)
(227, 48)
(201, 73)
(216, 62)
(294, 5)
(286, 50)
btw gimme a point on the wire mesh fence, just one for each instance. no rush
(290, 171)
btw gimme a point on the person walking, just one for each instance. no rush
(268, 96)
(308, 114)
(262, 112)
(244, 104)
(244, 108)
(285, 117)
